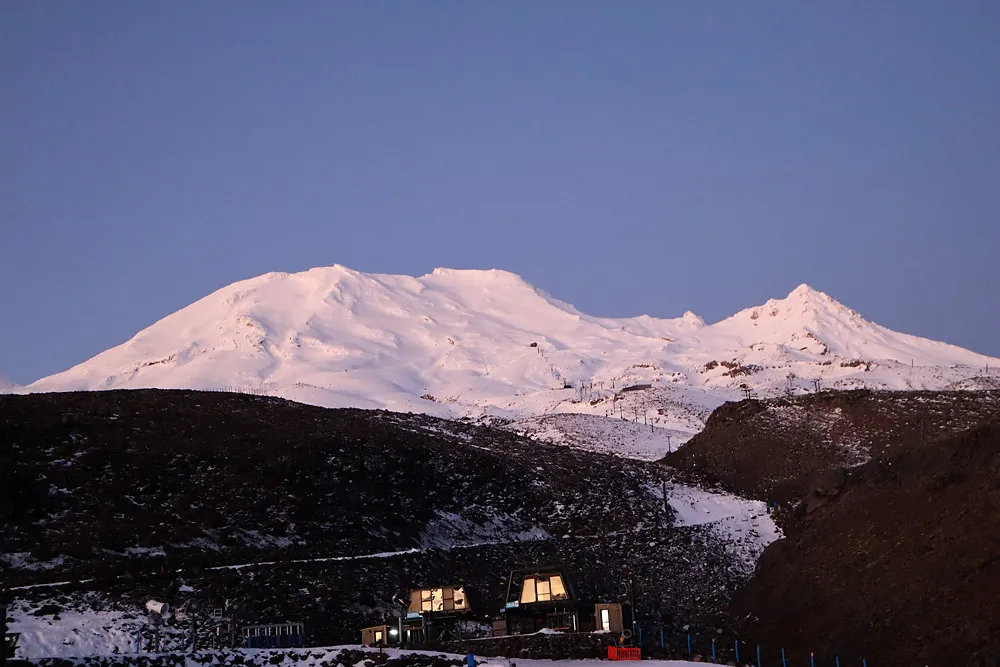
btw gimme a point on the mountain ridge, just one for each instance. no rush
(475, 343)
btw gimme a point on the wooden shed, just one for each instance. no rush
(376, 635)
(541, 598)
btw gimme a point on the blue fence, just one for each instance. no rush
(716, 649)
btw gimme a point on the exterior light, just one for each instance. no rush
(394, 632)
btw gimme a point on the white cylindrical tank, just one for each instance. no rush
(161, 608)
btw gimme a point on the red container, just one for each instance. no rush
(622, 653)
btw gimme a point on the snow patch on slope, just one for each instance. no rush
(609, 436)
(73, 633)
(745, 525)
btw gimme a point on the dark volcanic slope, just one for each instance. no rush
(683, 578)
(92, 481)
(780, 449)
(903, 564)
(156, 493)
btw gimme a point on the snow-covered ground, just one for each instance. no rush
(74, 633)
(600, 434)
(486, 344)
(746, 525)
(313, 657)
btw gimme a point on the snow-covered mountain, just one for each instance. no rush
(469, 343)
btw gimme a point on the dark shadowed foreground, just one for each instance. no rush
(159, 494)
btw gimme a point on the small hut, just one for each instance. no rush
(540, 598)
(379, 635)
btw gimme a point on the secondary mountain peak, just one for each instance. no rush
(805, 307)
(809, 298)
(691, 320)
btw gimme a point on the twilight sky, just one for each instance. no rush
(640, 157)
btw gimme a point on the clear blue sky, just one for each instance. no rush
(627, 157)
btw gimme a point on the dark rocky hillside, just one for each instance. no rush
(782, 449)
(684, 576)
(889, 507)
(901, 562)
(129, 481)
(179, 495)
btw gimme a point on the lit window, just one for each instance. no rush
(528, 591)
(606, 620)
(432, 599)
(542, 589)
(557, 588)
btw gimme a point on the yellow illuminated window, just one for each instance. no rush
(432, 599)
(528, 591)
(557, 587)
(543, 589)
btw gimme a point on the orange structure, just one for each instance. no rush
(622, 653)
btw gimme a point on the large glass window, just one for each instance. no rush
(432, 599)
(528, 591)
(543, 589)
(558, 590)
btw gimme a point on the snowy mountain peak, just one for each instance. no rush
(692, 320)
(805, 307)
(806, 298)
(473, 342)
(804, 291)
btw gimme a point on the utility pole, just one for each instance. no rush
(631, 602)
(194, 630)
(668, 445)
